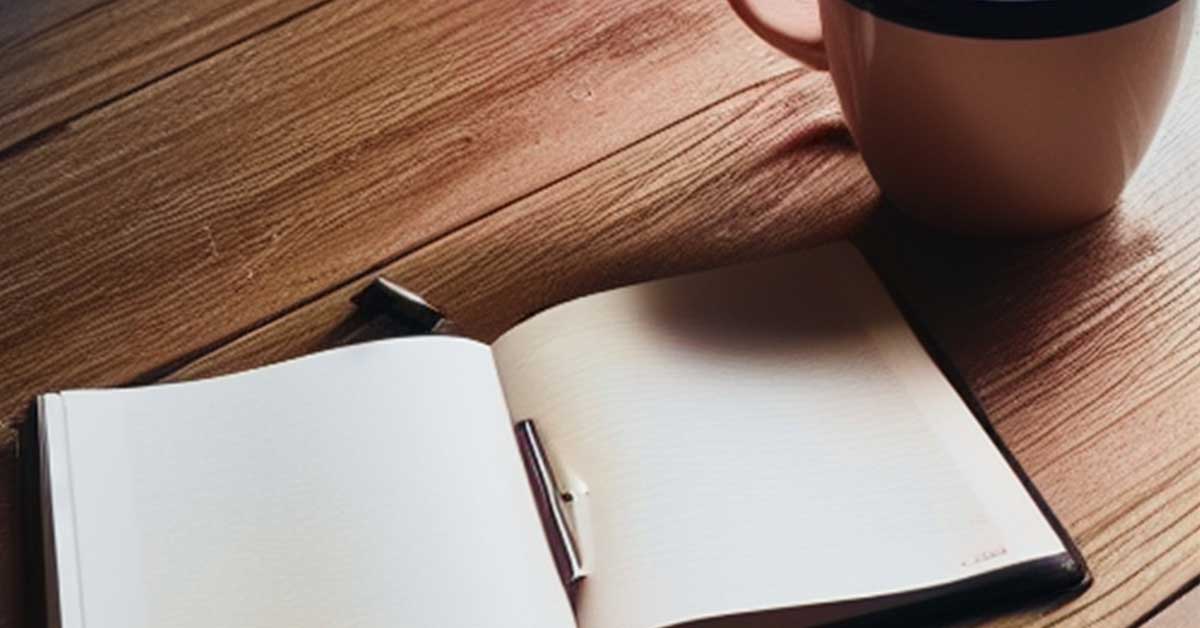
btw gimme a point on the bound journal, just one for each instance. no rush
(766, 444)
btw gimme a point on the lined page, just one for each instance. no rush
(759, 437)
(376, 485)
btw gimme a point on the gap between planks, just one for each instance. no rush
(166, 371)
(44, 132)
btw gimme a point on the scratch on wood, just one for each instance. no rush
(582, 91)
(213, 251)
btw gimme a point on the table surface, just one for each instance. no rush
(196, 188)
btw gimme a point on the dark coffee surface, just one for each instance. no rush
(1012, 19)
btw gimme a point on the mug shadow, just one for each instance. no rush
(748, 314)
(985, 301)
(809, 187)
(995, 306)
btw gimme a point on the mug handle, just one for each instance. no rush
(793, 26)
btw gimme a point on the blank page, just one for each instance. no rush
(376, 485)
(759, 437)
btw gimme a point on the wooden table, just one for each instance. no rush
(195, 188)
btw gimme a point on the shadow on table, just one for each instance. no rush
(995, 304)
(992, 304)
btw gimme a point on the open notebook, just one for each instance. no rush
(767, 442)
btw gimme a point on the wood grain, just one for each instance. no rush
(505, 157)
(22, 20)
(1082, 346)
(1184, 613)
(61, 58)
(170, 221)
(783, 138)
(165, 223)
(1084, 350)
(769, 169)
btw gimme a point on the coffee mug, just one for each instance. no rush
(999, 117)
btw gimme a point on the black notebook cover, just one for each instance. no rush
(35, 579)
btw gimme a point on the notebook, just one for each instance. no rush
(764, 444)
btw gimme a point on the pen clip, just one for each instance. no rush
(549, 499)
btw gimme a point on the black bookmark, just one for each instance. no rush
(411, 314)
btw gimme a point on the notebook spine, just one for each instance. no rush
(411, 314)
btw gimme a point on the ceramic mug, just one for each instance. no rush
(992, 116)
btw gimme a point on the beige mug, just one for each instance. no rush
(997, 117)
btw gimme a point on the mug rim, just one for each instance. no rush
(1011, 19)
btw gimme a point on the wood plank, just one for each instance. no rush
(1078, 345)
(25, 19)
(1082, 346)
(172, 220)
(61, 58)
(1183, 613)
(769, 169)
(688, 185)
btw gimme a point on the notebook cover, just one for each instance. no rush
(29, 450)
